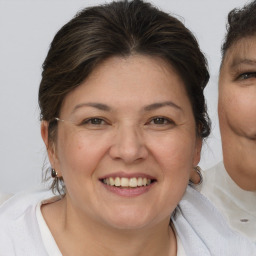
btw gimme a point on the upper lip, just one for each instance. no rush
(127, 175)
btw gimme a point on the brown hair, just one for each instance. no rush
(120, 29)
(241, 23)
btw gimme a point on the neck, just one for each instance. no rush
(239, 155)
(79, 235)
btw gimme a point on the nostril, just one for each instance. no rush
(128, 151)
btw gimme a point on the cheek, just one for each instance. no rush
(79, 155)
(175, 153)
(175, 157)
(238, 109)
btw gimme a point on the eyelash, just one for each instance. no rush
(90, 121)
(246, 75)
(156, 121)
(166, 121)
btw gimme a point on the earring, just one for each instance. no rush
(54, 173)
(198, 170)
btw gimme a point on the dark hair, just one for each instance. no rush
(120, 29)
(241, 24)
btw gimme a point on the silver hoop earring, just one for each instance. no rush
(199, 172)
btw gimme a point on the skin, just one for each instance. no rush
(133, 93)
(237, 112)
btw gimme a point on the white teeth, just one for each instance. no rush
(126, 182)
(117, 182)
(111, 181)
(133, 183)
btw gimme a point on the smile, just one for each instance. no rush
(133, 182)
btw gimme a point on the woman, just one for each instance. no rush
(123, 118)
(231, 184)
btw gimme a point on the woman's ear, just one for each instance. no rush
(198, 148)
(48, 144)
(44, 132)
(195, 178)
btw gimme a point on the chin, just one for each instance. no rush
(129, 220)
(129, 226)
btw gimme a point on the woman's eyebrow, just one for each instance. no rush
(105, 107)
(239, 61)
(160, 105)
(99, 106)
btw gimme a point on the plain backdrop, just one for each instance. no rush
(26, 29)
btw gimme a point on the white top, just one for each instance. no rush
(4, 197)
(47, 238)
(237, 205)
(50, 244)
(201, 230)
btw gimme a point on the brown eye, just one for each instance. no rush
(94, 121)
(161, 121)
(247, 75)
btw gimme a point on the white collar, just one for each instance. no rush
(204, 232)
(47, 238)
(244, 199)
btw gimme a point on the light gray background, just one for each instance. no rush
(26, 30)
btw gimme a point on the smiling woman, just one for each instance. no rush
(132, 139)
(123, 119)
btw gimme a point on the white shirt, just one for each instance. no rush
(51, 246)
(47, 238)
(237, 205)
(201, 229)
(4, 197)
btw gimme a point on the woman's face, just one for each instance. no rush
(237, 112)
(128, 144)
(237, 89)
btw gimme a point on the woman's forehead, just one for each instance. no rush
(135, 81)
(242, 50)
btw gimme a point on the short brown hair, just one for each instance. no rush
(241, 23)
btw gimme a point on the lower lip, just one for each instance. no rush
(128, 192)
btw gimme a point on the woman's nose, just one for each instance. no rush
(128, 145)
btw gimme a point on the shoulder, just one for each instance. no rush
(19, 203)
(211, 177)
(216, 168)
(19, 231)
(203, 231)
(4, 197)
